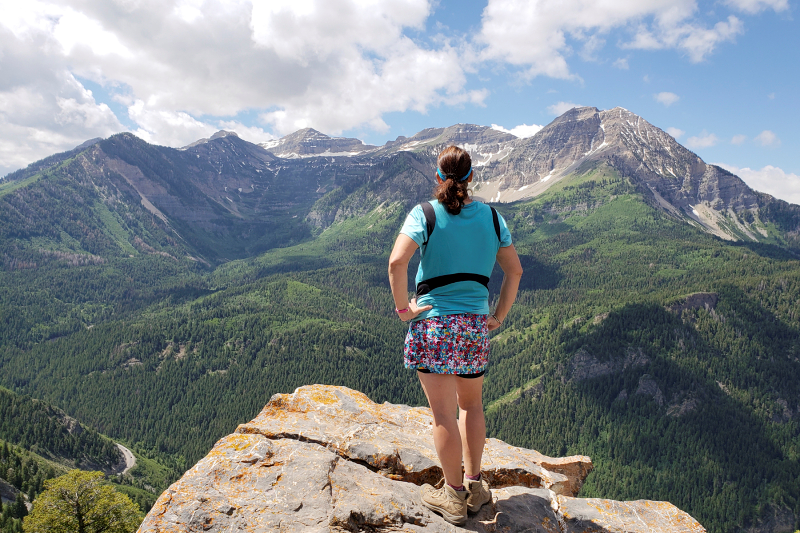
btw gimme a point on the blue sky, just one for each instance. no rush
(722, 77)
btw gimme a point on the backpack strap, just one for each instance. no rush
(426, 286)
(430, 219)
(496, 223)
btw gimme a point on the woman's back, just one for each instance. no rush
(465, 243)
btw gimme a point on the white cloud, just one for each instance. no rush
(170, 128)
(755, 6)
(560, 108)
(621, 63)
(704, 140)
(767, 138)
(55, 116)
(522, 131)
(738, 139)
(675, 132)
(666, 98)
(183, 67)
(697, 41)
(252, 134)
(771, 180)
(539, 35)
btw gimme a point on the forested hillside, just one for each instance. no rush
(50, 433)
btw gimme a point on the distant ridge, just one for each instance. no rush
(308, 142)
(223, 184)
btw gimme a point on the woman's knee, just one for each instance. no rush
(475, 406)
(444, 416)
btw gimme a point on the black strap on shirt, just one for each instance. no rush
(430, 220)
(426, 286)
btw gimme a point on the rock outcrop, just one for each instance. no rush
(328, 459)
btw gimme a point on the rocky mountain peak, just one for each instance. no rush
(484, 144)
(222, 133)
(674, 178)
(327, 458)
(309, 142)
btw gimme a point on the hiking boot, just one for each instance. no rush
(446, 501)
(479, 493)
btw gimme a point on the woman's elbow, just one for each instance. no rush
(397, 264)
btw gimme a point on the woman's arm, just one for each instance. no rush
(512, 272)
(404, 248)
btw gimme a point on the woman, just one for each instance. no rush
(448, 342)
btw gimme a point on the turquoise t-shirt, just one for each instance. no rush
(463, 243)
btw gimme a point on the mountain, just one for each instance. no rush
(224, 198)
(145, 294)
(309, 142)
(673, 178)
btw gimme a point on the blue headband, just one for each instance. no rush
(444, 178)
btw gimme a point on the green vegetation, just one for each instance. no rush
(46, 431)
(26, 472)
(81, 502)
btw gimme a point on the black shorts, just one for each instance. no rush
(465, 376)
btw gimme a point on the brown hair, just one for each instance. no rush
(454, 163)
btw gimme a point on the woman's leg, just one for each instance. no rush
(471, 423)
(440, 390)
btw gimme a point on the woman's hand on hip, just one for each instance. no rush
(492, 323)
(413, 310)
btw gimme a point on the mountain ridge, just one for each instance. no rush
(234, 176)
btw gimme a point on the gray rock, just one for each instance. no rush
(590, 515)
(648, 387)
(306, 463)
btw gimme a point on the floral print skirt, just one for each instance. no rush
(451, 344)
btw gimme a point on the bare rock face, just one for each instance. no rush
(328, 459)
(584, 365)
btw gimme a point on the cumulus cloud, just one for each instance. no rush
(756, 6)
(767, 138)
(560, 108)
(621, 63)
(182, 68)
(666, 98)
(738, 139)
(675, 132)
(696, 41)
(771, 180)
(47, 113)
(522, 131)
(253, 134)
(538, 35)
(704, 140)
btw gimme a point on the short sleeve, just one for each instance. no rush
(505, 235)
(415, 226)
